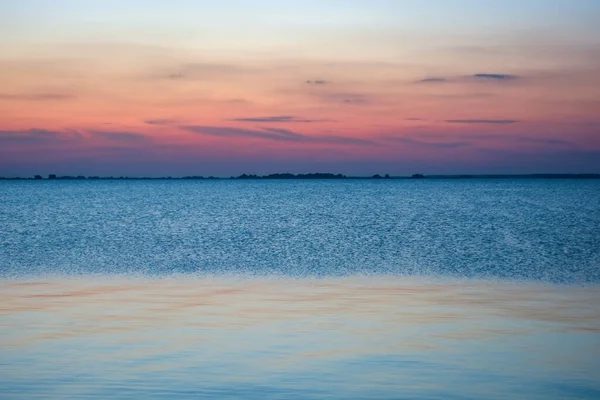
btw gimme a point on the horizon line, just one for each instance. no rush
(313, 176)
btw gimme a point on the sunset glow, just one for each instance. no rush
(172, 88)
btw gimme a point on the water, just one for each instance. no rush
(540, 230)
(310, 290)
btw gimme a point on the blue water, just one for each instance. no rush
(516, 229)
(479, 289)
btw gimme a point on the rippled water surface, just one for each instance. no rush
(523, 229)
(300, 290)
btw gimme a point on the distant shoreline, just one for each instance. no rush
(315, 176)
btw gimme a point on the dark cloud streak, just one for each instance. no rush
(121, 136)
(499, 77)
(479, 77)
(199, 70)
(160, 121)
(514, 138)
(282, 135)
(432, 80)
(37, 97)
(420, 143)
(482, 121)
(280, 118)
(32, 136)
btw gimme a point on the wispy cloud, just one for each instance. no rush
(317, 82)
(38, 136)
(432, 80)
(282, 135)
(343, 98)
(482, 121)
(549, 141)
(279, 118)
(461, 95)
(159, 121)
(200, 70)
(36, 96)
(121, 136)
(29, 136)
(506, 138)
(45, 137)
(237, 101)
(479, 77)
(495, 77)
(420, 143)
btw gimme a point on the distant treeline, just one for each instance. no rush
(316, 176)
(292, 176)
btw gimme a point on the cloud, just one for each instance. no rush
(477, 139)
(36, 96)
(482, 121)
(240, 132)
(414, 119)
(165, 121)
(121, 136)
(344, 98)
(549, 141)
(461, 95)
(498, 77)
(279, 118)
(317, 82)
(237, 101)
(322, 138)
(506, 138)
(282, 135)
(31, 136)
(480, 77)
(44, 136)
(432, 80)
(419, 143)
(199, 70)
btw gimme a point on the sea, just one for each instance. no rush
(300, 289)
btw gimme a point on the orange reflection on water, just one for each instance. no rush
(229, 331)
(61, 308)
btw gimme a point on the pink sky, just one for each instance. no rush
(193, 88)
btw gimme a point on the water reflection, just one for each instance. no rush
(334, 338)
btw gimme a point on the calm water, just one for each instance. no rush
(300, 290)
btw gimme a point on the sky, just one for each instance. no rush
(176, 88)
